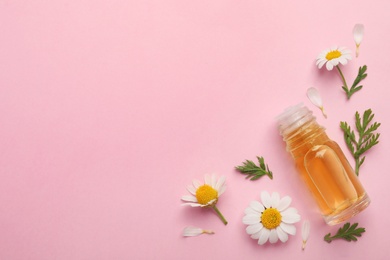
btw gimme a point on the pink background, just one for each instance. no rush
(109, 109)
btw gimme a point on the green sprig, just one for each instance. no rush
(355, 86)
(253, 171)
(347, 232)
(367, 137)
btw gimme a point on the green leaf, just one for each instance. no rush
(347, 232)
(355, 86)
(367, 136)
(253, 171)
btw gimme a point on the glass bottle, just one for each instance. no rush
(322, 166)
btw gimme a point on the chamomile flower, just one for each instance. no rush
(207, 194)
(333, 57)
(272, 219)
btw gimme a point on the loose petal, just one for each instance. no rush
(358, 32)
(305, 233)
(314, 96)
(194, 231)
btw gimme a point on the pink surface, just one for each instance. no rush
(109, 109)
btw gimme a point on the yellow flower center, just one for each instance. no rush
(205, 194)
(333, 55)
(271, 218)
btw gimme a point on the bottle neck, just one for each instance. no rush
(300, 130)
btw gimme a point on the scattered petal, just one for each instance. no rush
(195, 231)
(305, 233)
(314, 96)
(358, 32)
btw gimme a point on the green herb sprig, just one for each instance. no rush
(253, 171)
(355, 86)
(347, 232)
(367, 137)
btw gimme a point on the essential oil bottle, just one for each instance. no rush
(322, 166)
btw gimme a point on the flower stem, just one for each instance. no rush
(220, 215)
(342, 76)
(345, 87)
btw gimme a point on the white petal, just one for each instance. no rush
(191, 189)
(329, 66)
(358, 32)
(207, 179)
(192, 231)
(288, 228)
(257, 206)
(251, 219)
(209, 203)
(264, 235)
(347, 56)
(192, 204)
(196, 184)
(281, 234)
(252, 229)
(275, 199)
(321, 63)
(284, 203)
(305, 230)
(343, 60)
(273, 236)
(290, 218)
(221, 190)
(249, 210)
(266, 199)
(213, 180)
(335, 62)
(314, 95)
(189, 198)
(220, 183)
(256, 235)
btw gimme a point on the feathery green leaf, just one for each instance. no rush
(253, 171)
(347, 232)
(367, 137)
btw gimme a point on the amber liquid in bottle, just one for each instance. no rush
(322, 166)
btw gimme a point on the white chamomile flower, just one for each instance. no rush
(272, 219)
(207, 194)
(333, 57)
(358, 32)
(195, 231)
